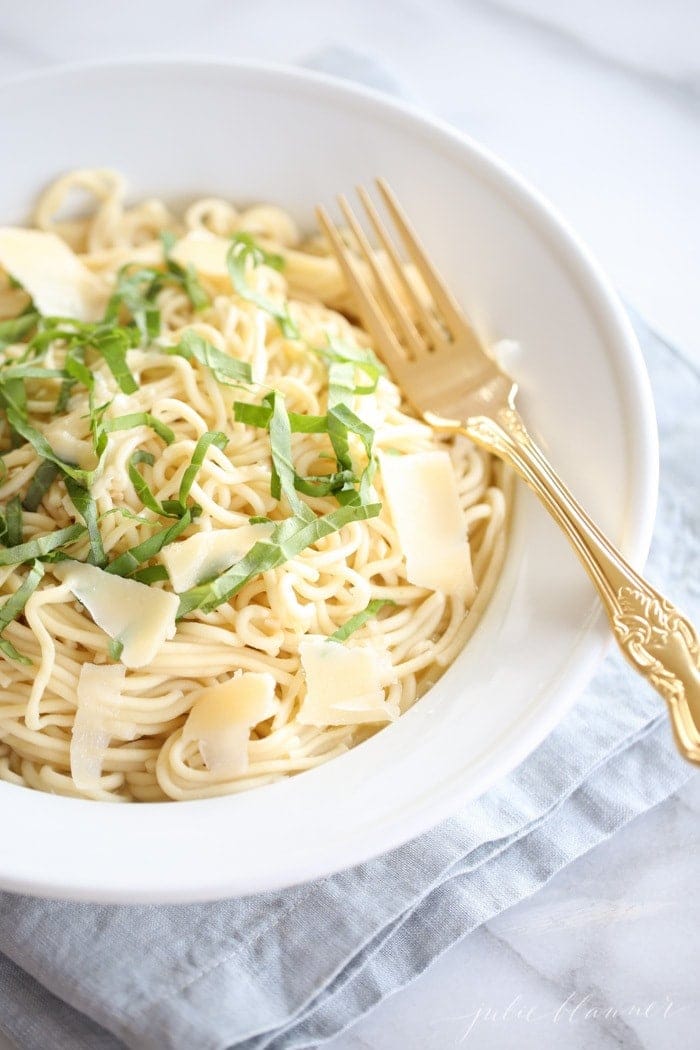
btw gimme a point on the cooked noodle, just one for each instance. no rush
(259, 629)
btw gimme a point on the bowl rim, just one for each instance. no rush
(642, 457)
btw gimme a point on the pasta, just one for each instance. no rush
(210, 373)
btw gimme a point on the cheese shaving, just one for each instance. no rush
(56, 279)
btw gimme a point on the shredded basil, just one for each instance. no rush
(173, 508)
(360, 619)
(109, 340)
(42, 447)
(130, 561)
(226, 369)
(212, 437)
(41, 546)
(13, 519)
(283, 473)
(27, 370)
(243, 248)
(41, 482)
(187, 276)
(136, 291)
(259, 416)
(13, 607)
(141, 486)
(14, 330)
(115, 648)
(151, 574)
(112, 346)
(140, 419)
(87, 509)
(273, 415)
(296, 533)
(340, 353)
(125, 512)
(287, 540)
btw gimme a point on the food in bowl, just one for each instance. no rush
(229, 550)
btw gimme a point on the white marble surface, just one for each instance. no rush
(604, 957)
(597, 102)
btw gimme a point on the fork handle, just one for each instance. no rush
(657, 639)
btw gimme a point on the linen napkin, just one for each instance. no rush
(291, 969)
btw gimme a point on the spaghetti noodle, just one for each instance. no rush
(197, 392)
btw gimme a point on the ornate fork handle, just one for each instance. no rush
(654, 636)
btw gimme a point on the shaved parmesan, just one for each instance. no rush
(344, 686)
(68, 446)
(58, 282)
(421, 491)
(138, 616)
(222, 717)
(207, 554)
(206, 252)
(96, 722)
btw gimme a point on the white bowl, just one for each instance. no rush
(181, 129)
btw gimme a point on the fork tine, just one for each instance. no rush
(393, 303)
(386, 345)
(432, 329)
(447, 304)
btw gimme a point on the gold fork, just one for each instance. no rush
(457, 387)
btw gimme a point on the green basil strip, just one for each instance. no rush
(87, 509)
(185, 276)
(360, 619)
(191, 283)
(136, 290)
(13, 519)
(42, 545)
(212, 437)
(130, 561)
(40, 484)
(16, 328)
(14, 396)
(226, 369)
(307, 424)
(108, 339)
(338, 422)
(141, 486)
(325, 484)
(64, 396)
(14, 606)
(115, 648)
(151, 574)
(173, 508)
(341, 422)
(366, 361)
(283, 473)
(42, 447)
(259, 416)
(113, 346)
(76, 368)
(287, 540)
(30, 371)
(140, 419)
(244, 247)
(341, 384)
(168, 239)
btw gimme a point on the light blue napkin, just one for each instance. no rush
(291, 969)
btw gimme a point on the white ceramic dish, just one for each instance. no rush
(179, 129)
